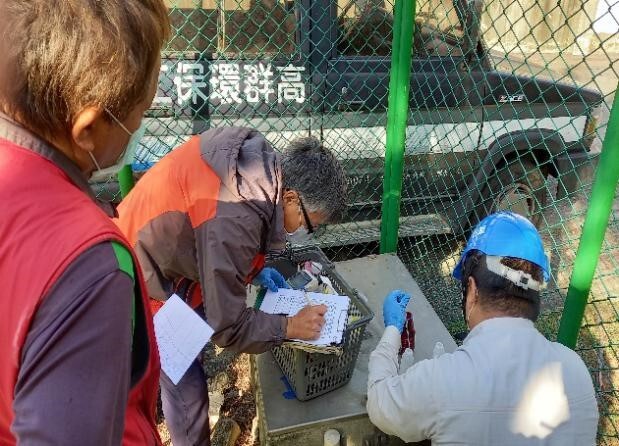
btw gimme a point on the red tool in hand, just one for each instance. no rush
(408, 334)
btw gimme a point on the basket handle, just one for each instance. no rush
(361, 301)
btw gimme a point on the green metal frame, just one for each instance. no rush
(125, 180)
(397, 117)
(594, 229)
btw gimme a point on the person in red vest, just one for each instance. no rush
(201, 221)
(79, 363)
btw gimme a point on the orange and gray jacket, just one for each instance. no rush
(207, 212)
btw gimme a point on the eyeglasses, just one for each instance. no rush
(308, 223)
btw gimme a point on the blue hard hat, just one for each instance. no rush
(506, 234)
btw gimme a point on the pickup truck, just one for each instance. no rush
(478, 139)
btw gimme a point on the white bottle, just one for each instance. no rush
(331, 438)
(406, 361)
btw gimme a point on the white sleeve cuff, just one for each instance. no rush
(392, 337)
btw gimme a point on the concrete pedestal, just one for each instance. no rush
(291, 422)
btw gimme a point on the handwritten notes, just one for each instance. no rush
(181, 335)
(290, 302)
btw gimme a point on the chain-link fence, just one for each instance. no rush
(508, 108)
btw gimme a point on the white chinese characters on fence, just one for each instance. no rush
(235, 83)
(226, 83)
(258, 83)
(291, 87)
(189, 82)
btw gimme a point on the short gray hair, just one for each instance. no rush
(316, 175)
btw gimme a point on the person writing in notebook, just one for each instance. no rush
(201, 221)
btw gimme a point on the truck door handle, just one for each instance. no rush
(351, 105)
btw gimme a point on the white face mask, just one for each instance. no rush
(126, 157)
(299, 236)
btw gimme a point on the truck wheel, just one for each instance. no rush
(518, 186)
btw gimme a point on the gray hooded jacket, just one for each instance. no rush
(206, 212)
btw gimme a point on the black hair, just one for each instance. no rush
(496, 293)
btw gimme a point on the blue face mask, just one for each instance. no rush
(126, 157)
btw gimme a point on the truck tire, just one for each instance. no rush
(519, 186)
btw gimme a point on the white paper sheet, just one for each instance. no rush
(181, 335)
(290, 302)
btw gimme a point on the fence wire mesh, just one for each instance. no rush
(508, 108)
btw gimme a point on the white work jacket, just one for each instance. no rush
(506, 385)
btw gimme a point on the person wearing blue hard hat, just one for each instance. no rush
(506, 234)
(501, 241)
(507, 383)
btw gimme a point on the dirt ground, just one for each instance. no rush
(230, 397)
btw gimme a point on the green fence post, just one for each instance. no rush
(125, 180)
(596, 221)
(397, 117)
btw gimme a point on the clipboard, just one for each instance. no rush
(289, 302)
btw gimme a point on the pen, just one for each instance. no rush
(307, 299)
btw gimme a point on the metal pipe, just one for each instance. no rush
(125, 180)
(397, 117)
(596, 221)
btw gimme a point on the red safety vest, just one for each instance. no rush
(46, 222)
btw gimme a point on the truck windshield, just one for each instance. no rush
(366, 28)
(233, 28)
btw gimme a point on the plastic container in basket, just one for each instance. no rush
(314, 374)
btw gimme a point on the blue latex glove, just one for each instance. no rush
(394, 309)
(271, 279)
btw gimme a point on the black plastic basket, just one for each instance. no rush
(314, 374)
